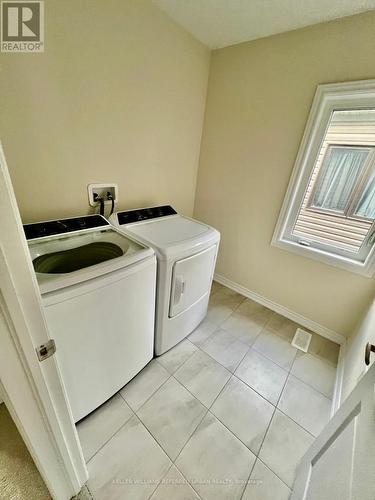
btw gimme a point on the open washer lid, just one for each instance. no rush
(63, 241)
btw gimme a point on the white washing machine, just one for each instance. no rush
(98, 294)
(186, 251)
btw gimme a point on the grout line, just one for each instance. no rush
(248, 478)
(111, 436)
(155, 391)
(265, 434)
(311, 387)
(235, 435)
(285, 414)
(208, 338)
(269, 468)
(278, 364)
(161, 448)
(204, 416)
(174, 347)
(134, 413)
(89, 491)
(160, 481)
(221, 364)
(150, 432)
(108, 440)
(299, 425)
(252, 388)
(200, 498)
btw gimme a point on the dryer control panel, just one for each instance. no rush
(52, 227)
(142, 214)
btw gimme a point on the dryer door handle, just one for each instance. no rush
(179, 288)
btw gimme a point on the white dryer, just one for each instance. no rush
(98, 294)
(186, 252)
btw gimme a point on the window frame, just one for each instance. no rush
(328, 98)
(359, 188)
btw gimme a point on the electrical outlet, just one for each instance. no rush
(95, 191)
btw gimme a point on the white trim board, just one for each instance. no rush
(339, 380)
(284, 311)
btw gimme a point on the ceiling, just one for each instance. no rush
(218, 23)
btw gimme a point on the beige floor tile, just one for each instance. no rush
(216, 461)
(284, 446)
(248, 307)
(314, 371)
(275, 348)
(138, 390)
(215, 287)
(175, 357)
(265, 485)
(174, 487)
(98, 427)
(228, 297)
(263, 375)
(128, 466)
(306, 406)
(282, 326)
(244, 412)
(225, 349)
(217, 312)
(203, 377)
(222, 304)
(324, 349)
(245, 328)
(202, 332)
(171, 415)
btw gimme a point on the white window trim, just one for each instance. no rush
(328, 98)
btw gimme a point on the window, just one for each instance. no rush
(329, 210)
(339, 178)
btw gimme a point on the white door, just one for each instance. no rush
(341, 462)
(191, 280)
(32, 390)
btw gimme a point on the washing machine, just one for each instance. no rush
(98, 294)
(186, 252)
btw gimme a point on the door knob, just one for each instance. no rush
(369, 348)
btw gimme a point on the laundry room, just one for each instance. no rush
(187, 249)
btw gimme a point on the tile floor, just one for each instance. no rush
(227, 414)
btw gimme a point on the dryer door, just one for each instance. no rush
(191, 279)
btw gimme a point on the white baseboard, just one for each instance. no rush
(337, 392)
(284, 311)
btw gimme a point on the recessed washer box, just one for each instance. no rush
(101, 190)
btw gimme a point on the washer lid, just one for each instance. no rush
(169, 231)
(132, 252)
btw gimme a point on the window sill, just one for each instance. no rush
(365, 269)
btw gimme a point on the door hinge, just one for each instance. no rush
(46, 350)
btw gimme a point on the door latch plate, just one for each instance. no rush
(46, 350)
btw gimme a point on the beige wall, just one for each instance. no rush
(354, 366)
(258, 102)
(117, 96)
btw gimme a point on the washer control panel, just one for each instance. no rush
(52, 227)
(142, 214)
